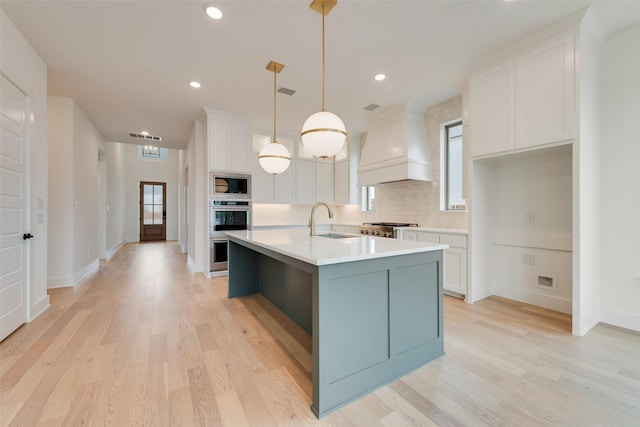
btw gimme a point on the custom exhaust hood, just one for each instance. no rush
(396, 147)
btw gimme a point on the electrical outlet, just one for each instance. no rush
(88, 254)
(531, 218)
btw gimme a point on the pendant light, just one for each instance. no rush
(323, 134)
(274, 157)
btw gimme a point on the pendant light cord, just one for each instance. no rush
(274, 104)
(322, 56)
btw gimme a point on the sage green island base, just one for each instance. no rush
(371, 320)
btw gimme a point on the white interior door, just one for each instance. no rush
(13, 208)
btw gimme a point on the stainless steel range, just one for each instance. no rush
(382, 229)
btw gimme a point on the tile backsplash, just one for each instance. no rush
(413, 202)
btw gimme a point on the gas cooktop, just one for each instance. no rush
(382, 229)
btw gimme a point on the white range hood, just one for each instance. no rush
(396, 147)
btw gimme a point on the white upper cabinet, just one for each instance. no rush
(341, 185)
(524, 101)
(545, 93)
(324, 182)
(228, 141)
(491, 109)
(305, 181)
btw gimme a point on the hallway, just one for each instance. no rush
(146, 342)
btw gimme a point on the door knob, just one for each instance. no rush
(27, 236)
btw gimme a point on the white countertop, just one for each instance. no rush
(318, 250)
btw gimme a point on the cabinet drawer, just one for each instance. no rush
(409, 235)
(454, 240)
(428, 237)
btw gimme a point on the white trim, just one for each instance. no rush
(547, 301)
(111, 252)
(620, 318)
(85, 272)
(59, 282)
(582, 332)
(217, 273)
(39, 307)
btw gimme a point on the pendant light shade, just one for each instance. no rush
(323, 133)
(274, 157)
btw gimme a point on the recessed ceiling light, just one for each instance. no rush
(195, 84)
(144, 132)
(379, 77)
(213, 12)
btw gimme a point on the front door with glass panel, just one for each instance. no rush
(153, 211)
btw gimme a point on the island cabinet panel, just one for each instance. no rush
(414, 304)
(357, 323)
(372, 320)
(410, 328)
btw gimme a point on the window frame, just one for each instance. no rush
(445, 204)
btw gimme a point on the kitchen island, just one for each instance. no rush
(372, 305)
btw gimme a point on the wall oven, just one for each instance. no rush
(225, 215)
(226, 185)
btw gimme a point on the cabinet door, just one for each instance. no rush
(341, 185)
(324, 182)
(283, 186)
(219, 132)
(239, 147)
(491, 110)
(305, 172)
(455, 270)
(261, 182)
(545, 93)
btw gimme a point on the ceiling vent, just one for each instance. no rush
(145, 137)
(286, 91)
(371, 107)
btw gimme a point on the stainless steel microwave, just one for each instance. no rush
(226, 185)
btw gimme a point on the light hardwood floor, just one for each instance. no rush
(146, 342)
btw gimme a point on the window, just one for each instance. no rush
(368, 198)
(452, 166)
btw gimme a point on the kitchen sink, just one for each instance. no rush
(336, 236)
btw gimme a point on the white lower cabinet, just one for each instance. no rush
(455, 270)
(454, 258)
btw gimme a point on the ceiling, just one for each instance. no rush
(128, 63)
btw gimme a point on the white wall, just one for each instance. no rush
(530, 216)
(137, 170)
(27, 70)
(586, 179)
(116, 199)
(73, 194)
(620, 207)
(86, 143)
(60, 237)
(198, 199)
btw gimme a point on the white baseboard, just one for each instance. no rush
(39, 307)
(111, 252)
(85, 272)
(552, 303)
(620, 318)
(217, 273)
(59, 282)
(582, 331)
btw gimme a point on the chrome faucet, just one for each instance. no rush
(312, 220)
